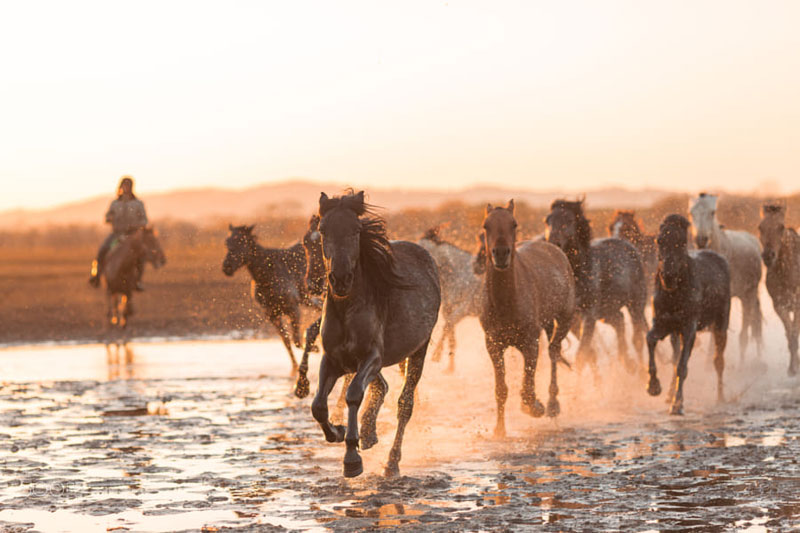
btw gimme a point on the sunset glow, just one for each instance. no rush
(572, 96)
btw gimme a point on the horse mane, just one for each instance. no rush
(584, 229)
(772, 208)
(376, 257)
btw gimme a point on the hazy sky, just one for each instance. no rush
(536, 95)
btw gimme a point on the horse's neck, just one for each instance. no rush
(788, 260)
(720, 241)
(501, 286)
(360, 298)
(258, 261)
(125, 255)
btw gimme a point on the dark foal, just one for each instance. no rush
(609, 275)
(278, 280)
(527, 288)
(782, 258)
(381, 305)
(692, 292)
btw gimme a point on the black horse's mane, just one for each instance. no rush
(376, 257)
(584, 230)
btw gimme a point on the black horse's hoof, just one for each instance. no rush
(535, 410)
(337, 433)
(676, 409)
(654, 388)
(353, 465)
(553, 408)
(302, 387)
(391, 470)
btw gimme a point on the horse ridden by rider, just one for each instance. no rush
(127, 215)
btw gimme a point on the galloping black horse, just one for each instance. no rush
(278, 280)
(608, 276)
(693, 292)
(381, 305)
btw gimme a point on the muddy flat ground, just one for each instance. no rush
(207, 436)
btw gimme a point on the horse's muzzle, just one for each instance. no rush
(501, 258)
(701, 242)
(341, 284)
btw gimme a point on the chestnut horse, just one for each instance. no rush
(782, 257)
(380, 309)
(528, 287)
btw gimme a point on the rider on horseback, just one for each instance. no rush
(126, 214)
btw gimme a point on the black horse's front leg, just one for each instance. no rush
(302, 387)
(687, 336)
(328, 374)
(367, 371)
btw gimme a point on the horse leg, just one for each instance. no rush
(757, 322)
(302, 386)
(405, 405)
(636, 311)
(328, 374)
(500, 388)
(653, 336)
(554, 350)
(369, 431)
(294, 324)
(617, 321)
(687, 336)
(436, 356)
(585, 349)
(784, 314)
(747, 321)
(341, 403)
(276, 321)
(530, 354)
(367, 371)
(794, 361)
(720, 340)
(451, 343)
(675, 341)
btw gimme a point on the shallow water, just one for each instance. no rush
(207, 435)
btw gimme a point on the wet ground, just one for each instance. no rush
(207, 436)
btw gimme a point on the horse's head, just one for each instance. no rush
(673, 254)
(702, 213)
(340, 227)
(567, 227)
(479, 262)
(770, 231)
(624, 225)
(152, 248)
(500, 235)
(315, 265)
(240, 244)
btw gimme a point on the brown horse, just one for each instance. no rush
(120, 274)
(625, 226)
(528, 287)
(781, 255)
(381, 305)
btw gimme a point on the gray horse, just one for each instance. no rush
(743, 253)
(460, 288)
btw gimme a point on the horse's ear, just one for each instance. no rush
(489, 208)
(249, 229)
(323, 203)
(510, 206)
(313, 222)
(230, 226)
(360, 197)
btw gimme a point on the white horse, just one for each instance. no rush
(743, 252)
(460, 288)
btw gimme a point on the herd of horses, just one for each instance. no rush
(379, 300)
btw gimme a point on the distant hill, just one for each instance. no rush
(300, 197)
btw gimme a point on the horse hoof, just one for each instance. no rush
(654, 389)
(792, 370)
(536, 410)
(354, 468)
(368, 440)
(676, 409)
(391, 470)
(499, 432)
(337, 433)
(553, 408)
(450, 370)
(302, 387)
